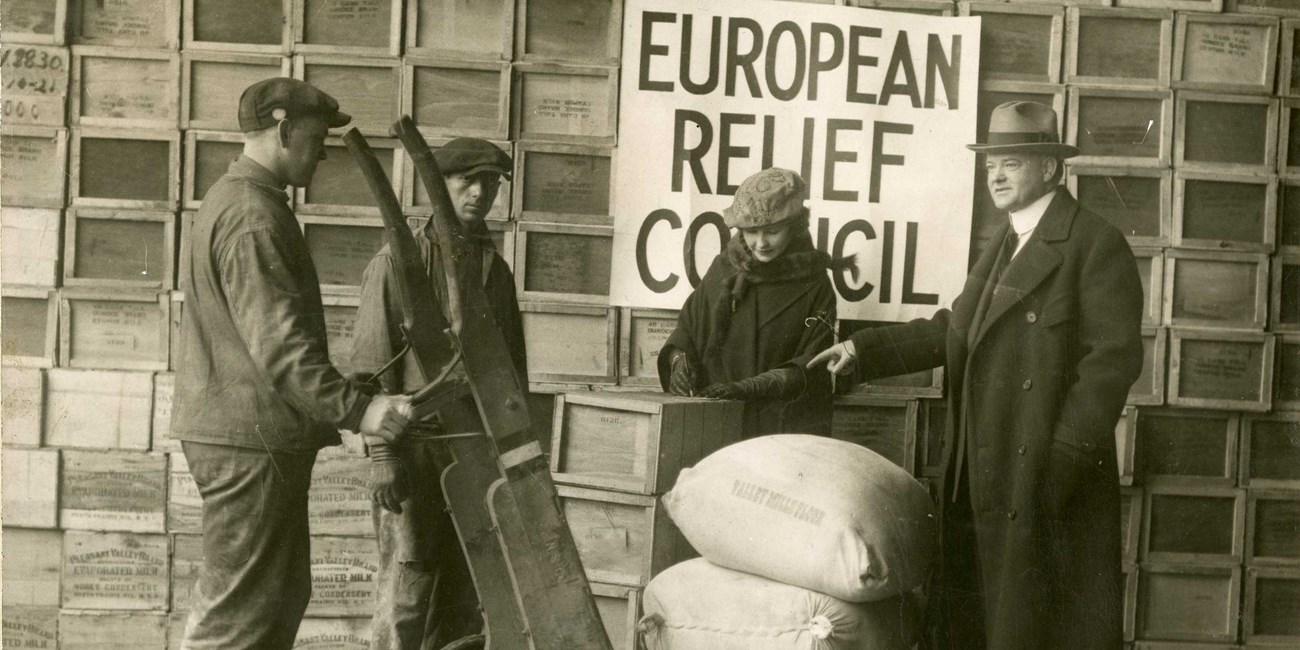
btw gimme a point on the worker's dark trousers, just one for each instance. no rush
(256, 576)
(426, 598)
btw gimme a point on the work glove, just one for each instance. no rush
(781, 383)
(388, 484)
(682, 379)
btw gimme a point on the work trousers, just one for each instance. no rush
(256, 577)
(426, 597)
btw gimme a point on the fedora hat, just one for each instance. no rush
(1025, 127)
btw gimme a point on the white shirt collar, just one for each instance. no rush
(1024, 221)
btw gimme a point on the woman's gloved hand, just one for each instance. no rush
(682, 380)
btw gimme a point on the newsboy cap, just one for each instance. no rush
(266, 102)
(1026, 127)
(767, 198)
(470, 156)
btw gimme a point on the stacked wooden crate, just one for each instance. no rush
(613, 454)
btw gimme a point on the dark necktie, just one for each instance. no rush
(1008, 252)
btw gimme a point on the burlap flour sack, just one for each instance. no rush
(696, 605)
(813, 512)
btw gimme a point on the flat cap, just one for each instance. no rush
(767, 198)
(266, 102)
(470, 156)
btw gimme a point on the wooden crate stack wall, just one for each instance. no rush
(1207, 446)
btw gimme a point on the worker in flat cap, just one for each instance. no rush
(1040, 348)
(764, 307)
(256, 394)
(426, 598)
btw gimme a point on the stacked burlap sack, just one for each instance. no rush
(807, 543)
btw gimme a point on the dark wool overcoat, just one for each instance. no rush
(767, 330)
(1038, 384)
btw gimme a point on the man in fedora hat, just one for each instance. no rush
(1040, 347)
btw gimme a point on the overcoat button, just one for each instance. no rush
(1011, 515)
(1028, 384)
(1031, 317)
(1021, 451)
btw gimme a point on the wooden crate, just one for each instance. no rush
(1125, 448)
(642, 334)
(541, 407)
(563, 184)
(1285, 293)
(341, 248)
(33, 160)
(1219, 290)
(207, 156)
(1188, 602)
(1219, 211)
(1149, 389)
(29, 326)
(1288, 134)
(94, 409)
(1231, 370)
(114, 329)
(1272, 519)
(1233, 133)
(212, 82)
(23, 391)
(33, 559)
(1019, 42)
(357, 27)
(29, 246)
(119, 249)
(1270, 451)
(1272, 610)
(186, 560)
(1137, 201)
(571, 344)
(562, 262)
(1130, 522)
(1177, 447)
(1286, 393)
(344, 571)
(113, 87)
(932, 439)
(184, 504)
(1288, 215)
(368, 89)
(39, 22)
(1288, 74)
(450, 28)
(36, 84)
(457, 98)
(239, 25)
(118, 571)
(1130, 601)
(338, 502)
(135, 24)
(637, 442)
(1151, 272)
(622, 539)
(554, 103)
(119, 168)
(177, 302)
(339, 189)
(504, 240)
(415, 200)
(619, 607)
(1231, 53)
(31, 627)
(922, 7)
(341, 330)
(333, 633)
(1121, 126)
(1214, 6)
(1194, 524)
(1265, 7)
(110, 630)
(113, 491)
(563, 30)
(164, 388)
(1118, 47)
(30, 488)
(885, 426)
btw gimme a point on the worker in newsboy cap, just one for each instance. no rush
(1040, 348)
(765, 304)
(256, 394)
(425, 598)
